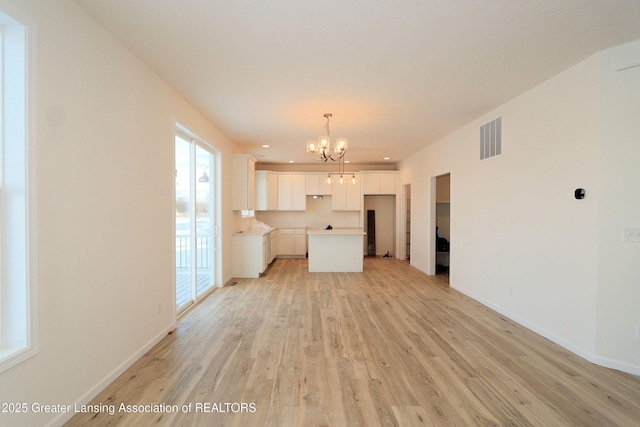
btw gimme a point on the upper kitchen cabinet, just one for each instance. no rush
(243, 179)
(347, 196)
(317, 185)
(266, 191)
(292, 192)
(382, 182)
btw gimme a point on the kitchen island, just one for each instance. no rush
(337, 250)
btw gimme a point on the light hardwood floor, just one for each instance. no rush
(390, 346)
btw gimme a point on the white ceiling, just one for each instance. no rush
(397, 75)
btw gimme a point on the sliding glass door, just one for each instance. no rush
(194, 222)
(204, 221)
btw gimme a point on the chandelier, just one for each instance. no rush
(322, 150)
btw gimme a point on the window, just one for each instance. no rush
(17, 283)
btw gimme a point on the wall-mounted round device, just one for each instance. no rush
(579, 193)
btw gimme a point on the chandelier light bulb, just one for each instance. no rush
(341, 145)
(312, 147)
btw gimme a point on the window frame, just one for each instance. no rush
(18, 282)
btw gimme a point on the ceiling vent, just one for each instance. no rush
(491, 139)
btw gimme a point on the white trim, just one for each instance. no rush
(615, 364)
(587, 355)
(419, 267)
(401, 249)
(431, 225)
(112, 376)
(32, 197)
(185, 132)
(17, 352)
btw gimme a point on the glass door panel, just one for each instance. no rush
(184, 226)
(204, 220)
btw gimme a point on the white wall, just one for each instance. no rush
(619, 262)
(520, 242)
(104, 133)
(318, 214)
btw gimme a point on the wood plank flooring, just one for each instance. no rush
(387, 347)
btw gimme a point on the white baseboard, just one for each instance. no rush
(102, 384)
(420, 268)
(617, 365)
(591, 357)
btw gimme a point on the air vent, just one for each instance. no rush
(491, 139)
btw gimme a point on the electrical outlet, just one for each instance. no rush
(632, 234)
(637, 332)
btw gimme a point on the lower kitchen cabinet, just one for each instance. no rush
(293, 242)
(274, 245)
(252, 253)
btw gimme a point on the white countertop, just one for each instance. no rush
(254, 232)
(338, 231)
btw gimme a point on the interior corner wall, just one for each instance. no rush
(104, 142)
(619, 262)
(520, 242)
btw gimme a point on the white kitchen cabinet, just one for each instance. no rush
(301, 242)
(293, 242)
(243, 182)
(317, 185)
(249, 254)
(287, 242)
(379, 183)
(292, 192)
(266, 191)
(253, 252)
(274, 245)
(347, 196)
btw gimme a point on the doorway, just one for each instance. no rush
(406, 224)
(380, 213)
(441, 212)
(195, 226)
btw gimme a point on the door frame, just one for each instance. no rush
(404, 220)
(216, 212)
(431, 233)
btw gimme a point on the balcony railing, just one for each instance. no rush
(183, 252)
(184, 266)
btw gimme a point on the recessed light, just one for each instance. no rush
(265, 145)
(291, 161)
(347, 161)
(387, 158)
